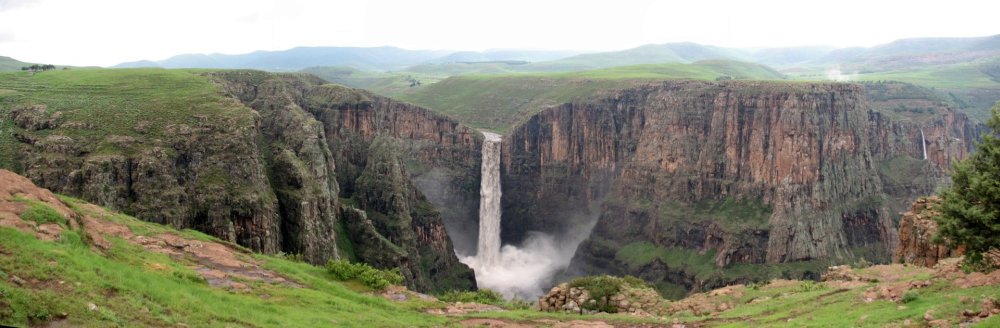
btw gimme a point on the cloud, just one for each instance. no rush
(12, 4)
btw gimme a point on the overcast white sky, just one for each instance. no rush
(107, 32)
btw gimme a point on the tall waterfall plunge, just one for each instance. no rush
(488, 252)
(524, 271)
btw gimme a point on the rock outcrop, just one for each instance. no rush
(917, 230)
(272, 164)
(742, 172)
(615, 296)
(351, 144)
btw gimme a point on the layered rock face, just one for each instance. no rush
(370, 138)
(742, 172)
(305, 168)
(185, 180)
(907, 122)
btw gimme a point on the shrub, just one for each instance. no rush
(601, 289)
(862, 263)
(970, 208)
(910, 296)
(808, 286)
(483, 296)
(635, 282)
(370, 277)
(41, 214)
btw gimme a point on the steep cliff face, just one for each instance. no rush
(193, 169)
(389, 222)
(441, 156)
(908, 123)
(268, 161)
(684, 173)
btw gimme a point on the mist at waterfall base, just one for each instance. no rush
(526, 271)
(523, 271)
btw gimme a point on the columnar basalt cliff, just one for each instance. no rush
(735, 173)
(906, 122)
(371, 138)
(295, 166)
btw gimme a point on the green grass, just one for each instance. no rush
(11, 64)
(385, 83)
(65, 276)
(130, 286)
(701, 265)
(820, 306)
(500, 102)
(957, 76)
(41, 214)
(971, 87)
(115, 102)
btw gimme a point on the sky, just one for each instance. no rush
(108, 32)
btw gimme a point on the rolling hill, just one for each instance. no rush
(11, 64)
(498, 102)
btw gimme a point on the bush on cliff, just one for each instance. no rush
(970, 208)
(371, 277)
(602, 288)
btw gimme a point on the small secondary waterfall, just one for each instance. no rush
(923, 143)
(488, 252)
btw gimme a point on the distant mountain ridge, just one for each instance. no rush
(914, 51)
(377, 59)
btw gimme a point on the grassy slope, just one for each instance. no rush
(119, 99)
(809, 304)
(11, 64)
(134, 287)
(969, 85)
(386, 83)
(972, 87)
(499, 102)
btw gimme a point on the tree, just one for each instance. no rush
(970, 208)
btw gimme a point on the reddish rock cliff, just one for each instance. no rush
(747, 172)
(917, 230)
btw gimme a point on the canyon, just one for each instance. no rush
(689, 185)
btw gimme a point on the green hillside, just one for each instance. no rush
(685, 52)
(972, 87)
(499, 102)
(74, 283)
(386, 83)
(91, 267)
(67, 263)
(137, 103)
(10, 64)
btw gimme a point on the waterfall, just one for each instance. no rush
(923, 143)
(524, 271)
(488, 253)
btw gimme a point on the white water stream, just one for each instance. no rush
(523, 271)
(923, 143)
(488, 252)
